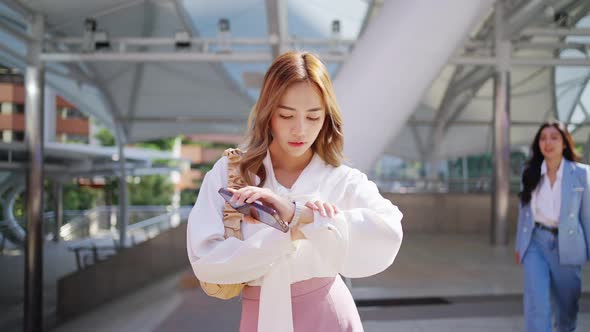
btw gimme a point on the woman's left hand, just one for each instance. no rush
(324, 208)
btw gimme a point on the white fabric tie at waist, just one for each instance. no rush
(275, 310)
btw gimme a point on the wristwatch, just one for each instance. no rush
(296, 215)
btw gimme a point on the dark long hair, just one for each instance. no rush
(532, 171)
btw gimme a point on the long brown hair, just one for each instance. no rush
(289, 68)
(532, 172)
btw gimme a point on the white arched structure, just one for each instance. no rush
(393, 65)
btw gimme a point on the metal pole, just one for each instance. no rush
(465, 175)
(34, 84)
(123, 190)
(501, 149)
(587, 150)
(58, 209)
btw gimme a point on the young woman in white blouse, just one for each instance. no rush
(553, 230)
(341, 225)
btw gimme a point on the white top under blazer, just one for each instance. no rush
(362, 240)
(546, 200)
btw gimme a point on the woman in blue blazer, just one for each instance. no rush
(553, 233)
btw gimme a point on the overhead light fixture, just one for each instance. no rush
(94, 39)
(101, 40)
(224, 35)
(336, 37)
(90, 24)
(223, 25)
(182, 40)
(88, 34)
(336, 28)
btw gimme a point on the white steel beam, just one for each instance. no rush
(185, 20)
(20, 8)
(181, 119)
(22, 35)
(276, 14)
(148, 29)
(531, 10)
(481, 46)
(170, 41)
(156, 57)
(487, 123)
(172, 57)
(537, 62)
(570, 113)
(100, 13)
(556, 32)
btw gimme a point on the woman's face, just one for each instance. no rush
(551, 143)
(298, 119)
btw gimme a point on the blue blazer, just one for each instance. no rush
(574, 217)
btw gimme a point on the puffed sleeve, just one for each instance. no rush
(225, 261)
(364, 238)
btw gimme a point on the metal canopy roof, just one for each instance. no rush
(150, 99)
(455, 116)
(73, 160)
(164, 98)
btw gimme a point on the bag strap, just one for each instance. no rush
(232, 219)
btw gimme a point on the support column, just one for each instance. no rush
(465, 172)
(34, 83)
(50, 116)
(587, 151)
(501, 132)
(277, 13)
(58, 208)
(123, 189)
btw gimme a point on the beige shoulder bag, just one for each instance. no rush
(232, 220)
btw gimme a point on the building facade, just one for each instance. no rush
(71, 125)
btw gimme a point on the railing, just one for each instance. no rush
(102, 221)
(149, 228)
(93, 234)
(449, 185)
(104, 241)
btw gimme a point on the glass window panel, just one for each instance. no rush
(585, 98)
(566, 101)
(578, 116)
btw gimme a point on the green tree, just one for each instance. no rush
(188, 197)
(164, 144)
(151, 190)
(105, 137)
(76, 197)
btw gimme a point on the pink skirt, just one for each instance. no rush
(319, 304)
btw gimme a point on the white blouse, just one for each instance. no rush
(546, 200)
(362, 240)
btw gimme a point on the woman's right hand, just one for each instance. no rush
(250, 194)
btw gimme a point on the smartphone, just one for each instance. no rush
(256, 210)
